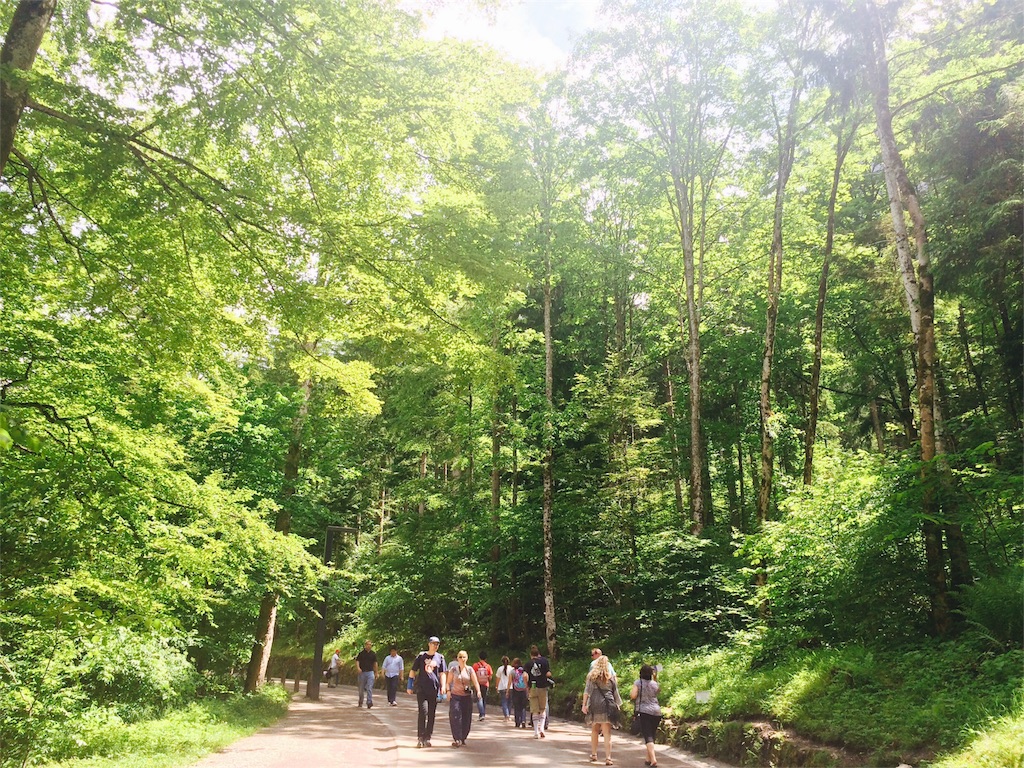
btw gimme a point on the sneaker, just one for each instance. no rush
(426, 743)
(369, 706)
(419, 743)
(536, 736)
(481, 718)
(542, 734)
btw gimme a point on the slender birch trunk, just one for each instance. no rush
(842, 149)
(918, 282)
(787, 149)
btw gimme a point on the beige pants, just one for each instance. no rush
(538, 700)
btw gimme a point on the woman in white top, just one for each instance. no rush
(504, 675)
(462, 684)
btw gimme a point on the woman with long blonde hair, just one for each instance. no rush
(601, 705)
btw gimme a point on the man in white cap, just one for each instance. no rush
(429, 684)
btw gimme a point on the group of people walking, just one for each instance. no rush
(522, 689)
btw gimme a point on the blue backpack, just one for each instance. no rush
(518, 679)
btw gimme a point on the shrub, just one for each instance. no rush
(994, 609)
(141, 674)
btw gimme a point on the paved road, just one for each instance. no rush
(334, 732)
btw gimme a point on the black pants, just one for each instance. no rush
(426, 705)
(649, 726)
(519, 702)
(392, 689)
(460, 716)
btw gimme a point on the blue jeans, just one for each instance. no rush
(481, 705)
(505, 697)
(366, 687)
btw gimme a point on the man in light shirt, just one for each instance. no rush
(595, 654)
(394, 667)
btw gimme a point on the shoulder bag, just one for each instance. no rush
(634, 724)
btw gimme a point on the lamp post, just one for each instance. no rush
(313, 686)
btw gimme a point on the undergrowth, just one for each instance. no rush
(180, 738)
(997, 743)
(890, 705)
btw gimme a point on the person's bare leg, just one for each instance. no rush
(607, 742)
(650, 753)
(593, 741)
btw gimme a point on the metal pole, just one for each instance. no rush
(316, 667)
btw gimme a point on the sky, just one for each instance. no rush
(539, 33)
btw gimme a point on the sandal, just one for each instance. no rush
(609, 762)
(593, 758)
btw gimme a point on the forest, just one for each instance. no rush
(706, 347)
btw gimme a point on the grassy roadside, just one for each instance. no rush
(955, 700)
(181, 737)
(998, 743)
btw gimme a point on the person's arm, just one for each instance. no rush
(586, 697)
(633, 691)
(413, 671)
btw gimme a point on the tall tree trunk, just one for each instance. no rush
(1012, 357)
(919, 289)
(423, 476)
(740, 472)
(550, 629)
(677, 479)
(382, 523)
(730, 488)
(787, 148)
(707, 504)
(965, 340)
(906, 406)
(876, 425)
(498, 611)
(843, 145)
(472, 444)
(21, 44)
(691, 338)
(263, 641)
(515, 454)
